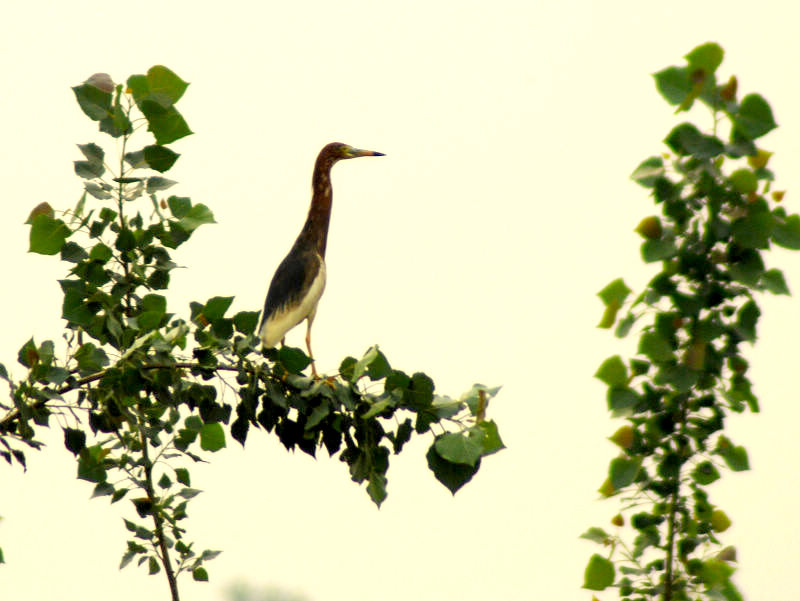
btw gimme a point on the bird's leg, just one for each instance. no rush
(310, 354)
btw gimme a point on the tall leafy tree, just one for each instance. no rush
(718, 216)
(136, 387)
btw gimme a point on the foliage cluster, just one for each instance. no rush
(719, 214)
(141, 393)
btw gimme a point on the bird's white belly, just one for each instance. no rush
(281, 321)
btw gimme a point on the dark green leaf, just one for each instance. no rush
(160, 158)
(167, 125)
(48, 235)
(200, 574)
(452, 475)
(212, 437)
(216, 306)
(293, 359)
(125, 240)
(599, 573)
(687, 139)
(182, 475)
(153, 567)
(73, 252)
(74, 440)
(246, 321)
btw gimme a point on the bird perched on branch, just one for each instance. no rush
(299, 280)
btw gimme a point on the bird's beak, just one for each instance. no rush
(358, 152)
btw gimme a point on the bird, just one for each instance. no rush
(299, 281)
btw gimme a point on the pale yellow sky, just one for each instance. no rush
(472, 251)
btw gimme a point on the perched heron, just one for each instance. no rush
(299, 281)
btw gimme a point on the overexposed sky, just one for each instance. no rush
(473, 251)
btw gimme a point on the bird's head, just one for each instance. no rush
(336, 151)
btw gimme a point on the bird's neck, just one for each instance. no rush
(315, 230)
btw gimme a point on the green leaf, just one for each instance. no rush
(459, 448)
(73, 252)
(658, 250)
(597, 535)
(735, 456)
(754, 117)
(491, 441)
(164, 481)
(48, 235)
(88, 170)
(212, 437)
(160, 158)
(744, 181)
(622, 471)
(673, 84)
(747, 319)
(74, 440)
(599, 573)
(246, 321)
(452, 475)
(376, 489)
(126, 240)
(706, 57)
(705, 473)
(153, 567)
(648, 171)
(93, 153)
(613, 372)
(200, 574)
(179, 205)
(94, 102)
(167, 126)
(787, 232)
(163, 82)
(686, 139)
(655, 347)
(774, 282)
(182, 476)
(216, 306)
(753, 230)
(156, 184)
(198, 215)
(613, 296)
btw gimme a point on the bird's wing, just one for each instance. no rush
(293, 281)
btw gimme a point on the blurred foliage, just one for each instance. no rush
(242, 591)
(718, 216)
(141, 393)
